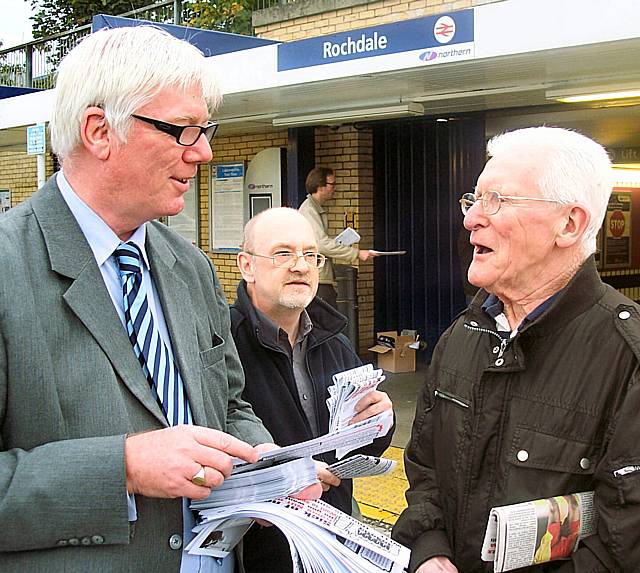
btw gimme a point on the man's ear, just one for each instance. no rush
(97, 136)
(575, 224)
(245, 263)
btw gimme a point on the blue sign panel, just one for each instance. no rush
(430, 32)
(35, 139)
(230, 170)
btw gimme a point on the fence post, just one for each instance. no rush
(28, 66)
(347, 300)
(177, 12)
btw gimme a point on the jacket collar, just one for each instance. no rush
(327, 322)
(319, 208)
(583, 291)
(88, 298)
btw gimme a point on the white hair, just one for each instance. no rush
(574, 169)
(120, 70)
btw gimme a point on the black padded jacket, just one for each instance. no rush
(554, 411)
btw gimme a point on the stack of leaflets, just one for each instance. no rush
(348, 388)
(537, 531)
(271, 476)
(322, 539)
(261, 484)
(348, 237)
(362, 466)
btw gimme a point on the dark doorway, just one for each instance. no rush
(421, 168)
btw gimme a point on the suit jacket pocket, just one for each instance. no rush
(214, 354)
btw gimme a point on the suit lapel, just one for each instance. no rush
(179, 317)
(87, 296)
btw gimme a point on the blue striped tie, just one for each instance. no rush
(150, 349)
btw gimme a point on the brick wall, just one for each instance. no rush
(19, 174)
(349, 152)
(231, 150)
(307, 23)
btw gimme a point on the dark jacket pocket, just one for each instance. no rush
(534, 449)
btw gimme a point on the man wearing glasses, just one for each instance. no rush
(321, 187)
(534, 390)
(120, 386)
(290, 343)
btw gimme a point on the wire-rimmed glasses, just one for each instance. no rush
(492, 200)
(290, 260)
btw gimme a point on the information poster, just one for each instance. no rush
(5, 200)
(617, 231)
(226, 206)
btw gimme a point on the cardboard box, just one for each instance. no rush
(394, 352)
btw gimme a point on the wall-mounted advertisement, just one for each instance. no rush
(5, 200)
(226, 206)
(617, 231)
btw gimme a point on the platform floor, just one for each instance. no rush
(381, 499)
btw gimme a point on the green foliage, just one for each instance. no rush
(224, 15)
(54, 16)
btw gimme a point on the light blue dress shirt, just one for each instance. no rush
(103, 241)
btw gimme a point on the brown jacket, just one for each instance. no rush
(317, 216)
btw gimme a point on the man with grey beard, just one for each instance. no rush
(290, 344)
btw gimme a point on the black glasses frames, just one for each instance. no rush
(186, 135)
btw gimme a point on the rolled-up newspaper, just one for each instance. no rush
(538, 531)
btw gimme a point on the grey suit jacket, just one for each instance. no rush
(71, 389)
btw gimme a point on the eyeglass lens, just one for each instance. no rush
(490, 201)
(290, 259)
(191, 133)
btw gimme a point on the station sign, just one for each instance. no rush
(434, 37)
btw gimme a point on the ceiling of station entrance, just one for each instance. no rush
(610, 126)
(497, 84)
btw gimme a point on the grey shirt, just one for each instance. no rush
(297, 355)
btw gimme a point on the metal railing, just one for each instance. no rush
(33, 64)
(264, 4)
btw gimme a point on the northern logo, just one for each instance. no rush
(428, 56)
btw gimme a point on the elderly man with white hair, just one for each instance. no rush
(534, 390)
(120, 386)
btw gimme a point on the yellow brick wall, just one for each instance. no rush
(361, 16)
(231, 150)
(347, 150)
(19, 174)
(350, 153)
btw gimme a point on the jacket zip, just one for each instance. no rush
(503, 341)
(503, 345)
(451, 398)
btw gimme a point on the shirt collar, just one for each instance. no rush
(101, 238)
(494, 307)
(305, 326)
(271, 333)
